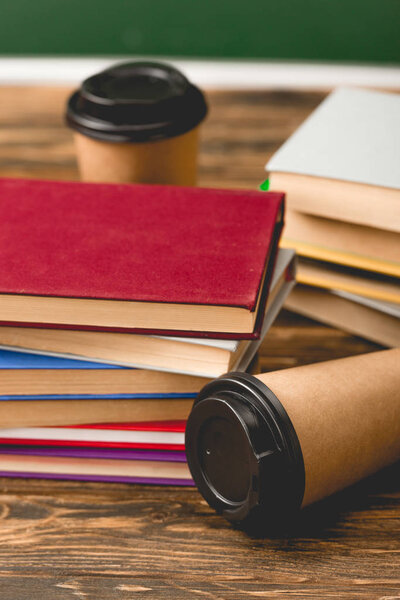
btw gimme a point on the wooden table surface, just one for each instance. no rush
(92, 541)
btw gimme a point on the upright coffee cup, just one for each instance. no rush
(137, 123)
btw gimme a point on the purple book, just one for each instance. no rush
(101, 453)
(83, 452)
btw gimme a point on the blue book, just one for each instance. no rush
(21, 360)
(28, 376)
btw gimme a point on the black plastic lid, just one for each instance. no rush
(136, 102)
(243, 452)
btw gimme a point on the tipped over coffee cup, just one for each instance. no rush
(137, 123)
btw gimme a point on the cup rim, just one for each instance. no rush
(135, 121)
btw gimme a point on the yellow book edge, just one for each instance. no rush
(342, 258)
(353, 289)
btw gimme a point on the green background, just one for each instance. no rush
(337, 30)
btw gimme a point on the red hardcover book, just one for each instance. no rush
(157, 435)
(136, 258)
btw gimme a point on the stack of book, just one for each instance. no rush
(341, 174)
(117, 304)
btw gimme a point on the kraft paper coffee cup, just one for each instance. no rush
(137, 123)
(260, 448)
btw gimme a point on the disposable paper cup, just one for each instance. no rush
(260, 448)
(137, 123)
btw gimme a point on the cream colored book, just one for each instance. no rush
(33, 413)
(27, 374)
(343, 161)
(93, 467)
(327, 307)
(362, 283)
(342, 243)
(389, 308)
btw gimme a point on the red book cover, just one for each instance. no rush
(174, 426)
(80, 444)
(153, 426)
(143, 243)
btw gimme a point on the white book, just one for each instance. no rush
(229, 345)
(343, 162)
(82, 434)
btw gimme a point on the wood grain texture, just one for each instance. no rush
(69, 540)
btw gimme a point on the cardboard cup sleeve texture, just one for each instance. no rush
(171, 161)
(137, 123)
(262, 447)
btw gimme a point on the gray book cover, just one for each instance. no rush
(353, 135)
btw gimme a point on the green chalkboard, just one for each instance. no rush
(336, 30)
